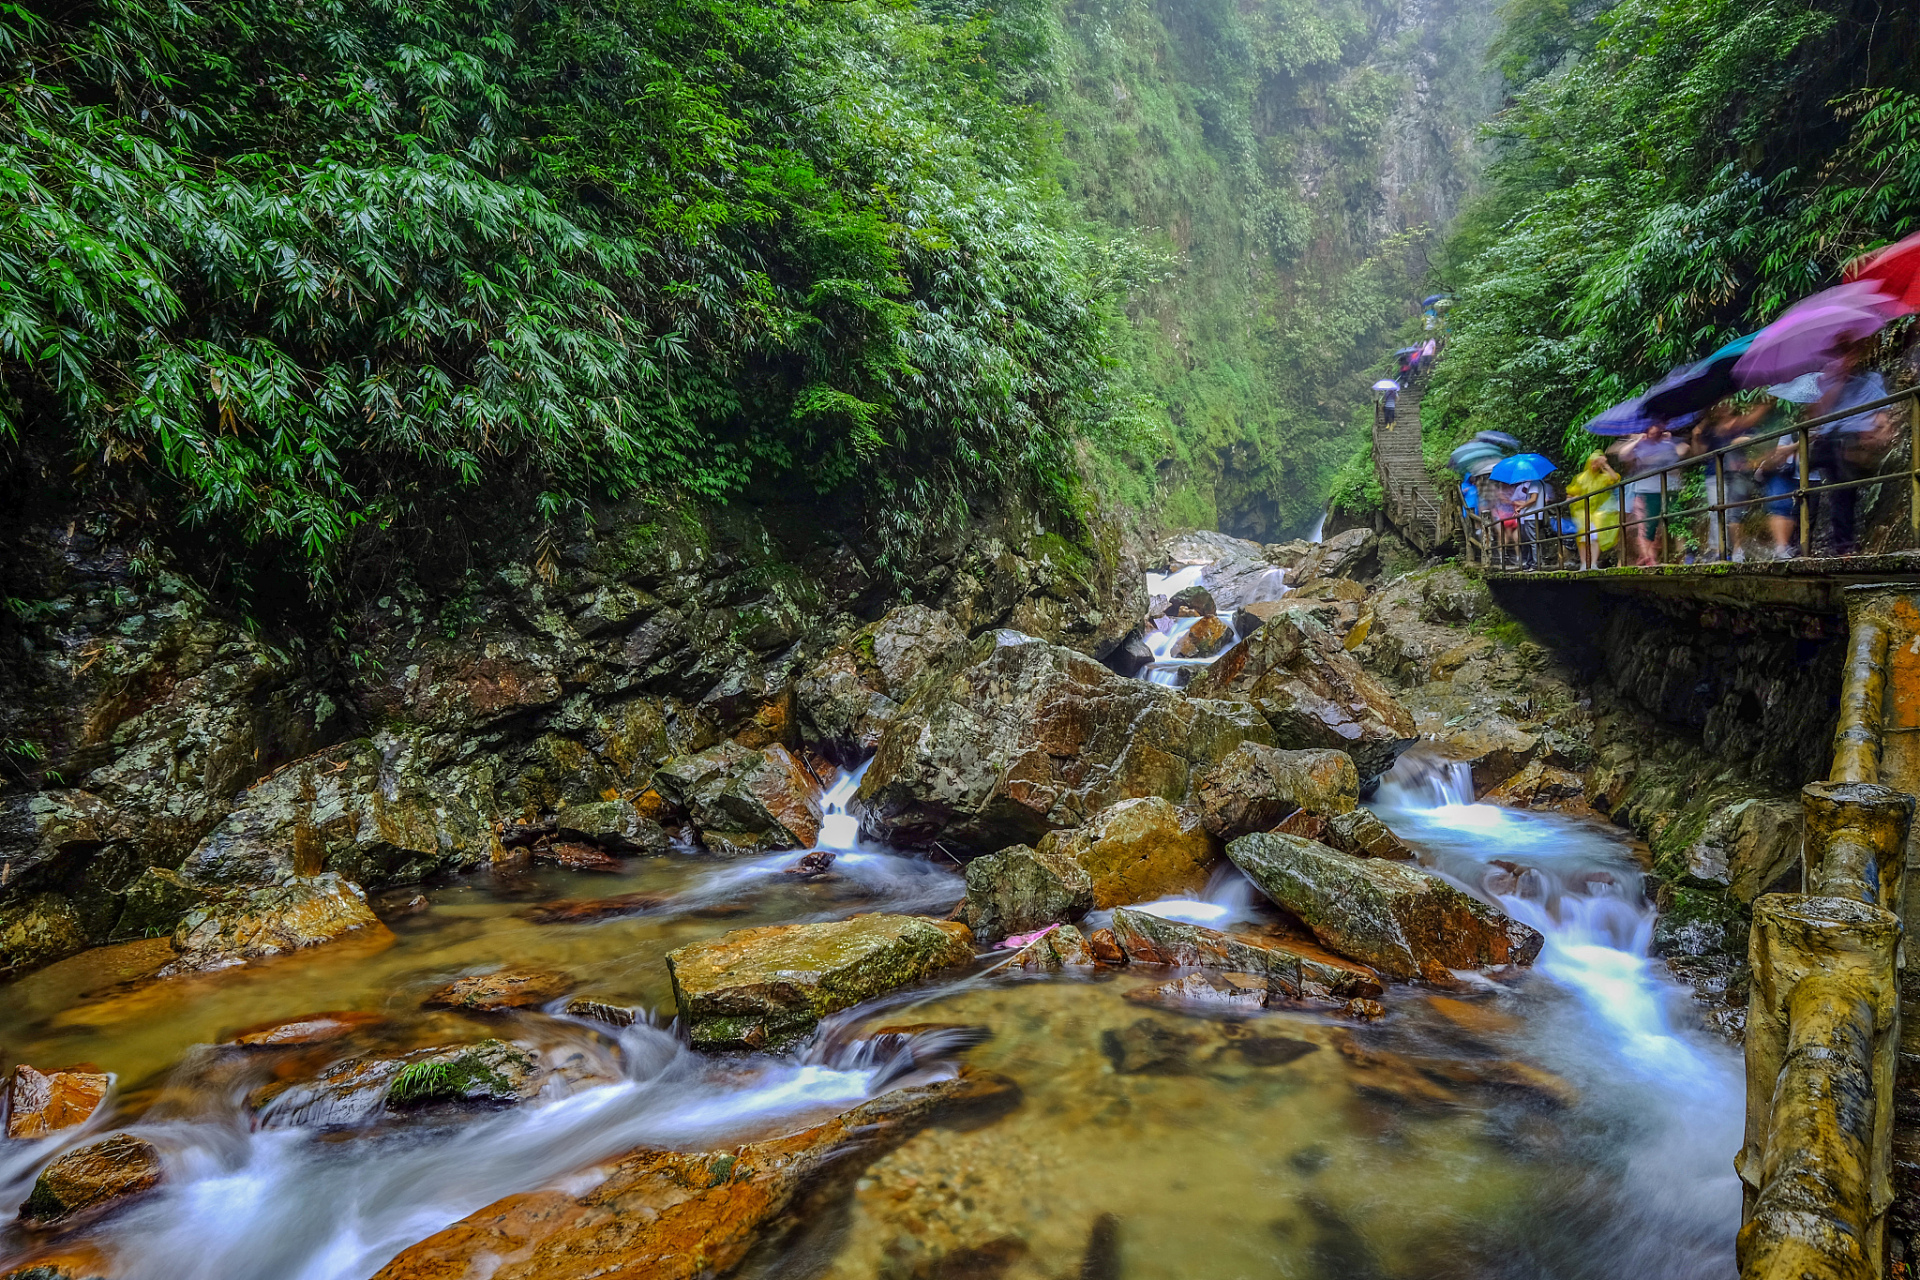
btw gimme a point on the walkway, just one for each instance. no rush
(1413, 507)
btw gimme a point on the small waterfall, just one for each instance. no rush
(1319, 527)
(1228, 899)
(839, 828)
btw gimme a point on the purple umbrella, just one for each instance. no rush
(1631, 417)
(1809, 334)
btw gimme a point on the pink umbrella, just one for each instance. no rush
(1809, 334)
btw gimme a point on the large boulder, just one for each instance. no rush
(1257, 787)
(1136, 851)
(114, 1168)
(848, 697)
(1392, 916)
(677, 1215)
(359, 809)
(1349, 554)
(760, 988)
(745, 801)
(245, 924)
(1311, 692)
(1028, 737)
(1020, 889)
(1291, 967)
(611, 824)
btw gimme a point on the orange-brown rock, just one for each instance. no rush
(670, 1215)
(312, 1028)
(304, 911)
(1136, 851)
(64, 1261)
(745, 801)
(1204, 639)
(1543, 786)
(511, 988)
(40, 1104)
(576, 855)
(1437, 1081)
(582, 910)
(1106, 948)
(114, 1168)
(1293, 968)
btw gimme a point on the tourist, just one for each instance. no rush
(1853, 447)
(1597, 521)
(1646, 456)
(1724, 428)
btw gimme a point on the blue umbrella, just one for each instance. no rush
(1523, 466)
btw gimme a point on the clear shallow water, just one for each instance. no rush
(1288, 1143)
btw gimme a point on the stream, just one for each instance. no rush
(1291, 1144)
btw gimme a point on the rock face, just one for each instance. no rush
(1294, 969)
(1027, 738)
(1394, 917)
(611, 824)
(39, 1104)
(1020, 889)
(745, 801)
(114, 1168)
(1236, 572)
(1137, 850)
(849, 697)
(1349, 554)
(39, 930)
(760, 988)
(245, 925)
(670, 1215)
(1311, 692)
(1256, 788)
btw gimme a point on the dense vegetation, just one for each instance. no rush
(1669, 174)
(319, 276)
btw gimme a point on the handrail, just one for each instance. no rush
(1540, 528)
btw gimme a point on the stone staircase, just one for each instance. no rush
(1415, 510)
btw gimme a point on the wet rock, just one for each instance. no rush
(671, 1215)
(615, 825)
(361, 809)
(1058, 947)
(1364, 1010)
(244, 925)
(312, 1028)
(1236, 571)
(585, 910)
(38, 931)
(576, 856)
(1542, 786)
(1293, 968)
(1027, 738)
(155, 903)
(745, 801)
(1192, 602)
(1496, 748)
(1392, 916)
(1020, 889)
(760, 988)
(68, 1260)
(1132, 657)
(111, 1170)
(1311, 693)
(613, 1015)
(1256, 787)
(1106, 948)
(1308, 826)
(1746, 843)
(1361, 834)
(1204, 639)
(1351, 554)
(360, 1090)
(812, 866)
(42, 1103)
(1136, 851)
(512, 988)
(849, 696)
(1222, 992)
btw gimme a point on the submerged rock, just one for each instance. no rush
(245, 925)
(745, 801)
(362, 1089)
(1027, 738)
(672, 1215)
(312, 1028)
(1020, 889)
(1257, 787)
(585, 910)
(1311, 692)
(1394, 917)
(502, 989)
(39, 1104)
(849, 697)
(113, 1169)
(1223, 991)
(1293, 968)
(760, 988)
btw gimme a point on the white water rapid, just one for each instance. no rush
(1665, 1096)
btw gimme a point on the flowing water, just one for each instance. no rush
(1566, 1122)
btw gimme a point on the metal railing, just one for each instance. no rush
(1548, 537)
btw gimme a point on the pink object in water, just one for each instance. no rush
(1022, 939)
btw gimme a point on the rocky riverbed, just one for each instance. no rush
(672, 919)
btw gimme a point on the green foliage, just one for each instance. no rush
(308, 270)
(1673, 176)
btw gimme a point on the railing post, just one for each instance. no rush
(1821, 1042)
(1803, 454)
(1717, 518)
(1913, 465)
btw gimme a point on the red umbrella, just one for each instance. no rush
(1895, 269)
(1809, 334)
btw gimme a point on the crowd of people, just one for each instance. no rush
(1708, 462)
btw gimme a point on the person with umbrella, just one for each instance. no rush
(1647, 455)
(1851, 448)
(1520, 506)
(1727, 426)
